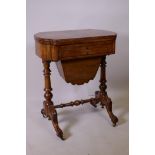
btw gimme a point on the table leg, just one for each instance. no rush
(105, 100)
(49, 110)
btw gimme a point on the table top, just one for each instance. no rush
(60, 37)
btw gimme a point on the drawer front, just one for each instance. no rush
(86, 50)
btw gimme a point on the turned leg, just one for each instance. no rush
(105, 100)
(49, 110)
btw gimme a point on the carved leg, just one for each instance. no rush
(105, 100)
(53, 116)
(108, 104)
(49, 110)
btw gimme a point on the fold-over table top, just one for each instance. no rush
(71, 36)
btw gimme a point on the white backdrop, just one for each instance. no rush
(77, 14)
(50, 15)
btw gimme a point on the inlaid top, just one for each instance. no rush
(60, 37)
(74, 44)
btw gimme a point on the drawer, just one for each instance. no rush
(86, 50)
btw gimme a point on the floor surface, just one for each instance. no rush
(88, 130)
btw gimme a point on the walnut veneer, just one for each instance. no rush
(78, 55)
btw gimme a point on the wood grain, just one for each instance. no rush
(78, 71)
(78, 55)
(73, 36)
(66, 45)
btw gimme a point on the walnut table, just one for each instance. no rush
(78, 55)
